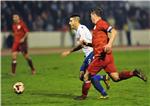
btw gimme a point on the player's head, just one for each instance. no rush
(15, 18)
(74, 21)
(95, 14)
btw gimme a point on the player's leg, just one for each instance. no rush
(105, 78)
(118, 76)
(127, 74)
(15, 50)
(93, 69)
(30, 63)
(96, 83)
(24, 51)
(84, 67)
(87, 84)
(14, 62)
(88, 60)
(85, 87)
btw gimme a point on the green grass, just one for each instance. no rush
(56, 82)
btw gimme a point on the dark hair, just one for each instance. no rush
(15, 13)
(75, 15)
(98, 11)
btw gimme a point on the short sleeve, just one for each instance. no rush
(105, 26)
(25, 27)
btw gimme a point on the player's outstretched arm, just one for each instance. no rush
(86, 43)
(76, 48)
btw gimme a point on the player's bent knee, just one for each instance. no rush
(14, 55)
(25, 55)
(87, 77)
(115, 77)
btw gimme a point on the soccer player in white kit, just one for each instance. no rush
(84, 35)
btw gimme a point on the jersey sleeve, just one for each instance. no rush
(103, 25)
(25, 27)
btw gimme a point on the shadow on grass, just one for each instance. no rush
(6, 75)
(51, 99)
(61, 95)
(55, 95)
(40, 103)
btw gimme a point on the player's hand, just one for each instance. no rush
(81, 75)
(66, 53)
(22, 40)
(108, 48)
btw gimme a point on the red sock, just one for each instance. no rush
(85, 88)
(13, 65)
(125, 75)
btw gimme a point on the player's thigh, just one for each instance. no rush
(95, 66)
(24, 49)
(15, 47)
(89, 58)
(111, 69)
(86, 62)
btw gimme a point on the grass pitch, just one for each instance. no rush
(56, 82)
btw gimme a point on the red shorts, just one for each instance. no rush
(107, 64)
(17, 47)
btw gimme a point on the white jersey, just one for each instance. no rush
(83, 33)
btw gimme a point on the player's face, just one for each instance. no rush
(72, 23)
(15, 18)
(93, 17)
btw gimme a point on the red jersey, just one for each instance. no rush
(19, 30)
(100, 37)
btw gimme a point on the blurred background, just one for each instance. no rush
(48, 21)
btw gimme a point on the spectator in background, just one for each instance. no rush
(64, 30)
(30, 10)
(111, 20)
(39, 23)
(120, 20)
(30, 21)
(127, 29)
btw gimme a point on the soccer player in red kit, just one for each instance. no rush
(20, 32)
(103, 57)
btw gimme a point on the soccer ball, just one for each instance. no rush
(18, 87)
